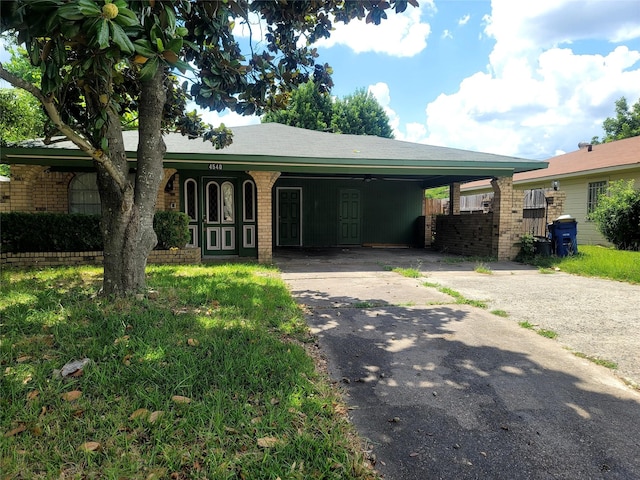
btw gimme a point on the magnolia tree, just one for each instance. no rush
(103, 60)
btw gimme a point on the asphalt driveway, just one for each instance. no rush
(441, 390)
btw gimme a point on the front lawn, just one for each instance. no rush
(209, 380)
(596, 261)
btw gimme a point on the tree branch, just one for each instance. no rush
(53, 113)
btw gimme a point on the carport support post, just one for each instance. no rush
(454, 198)
(507, 219)
(264, 185)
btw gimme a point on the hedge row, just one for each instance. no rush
(54, 232)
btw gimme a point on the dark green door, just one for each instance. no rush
(349, 217)
(289, 221)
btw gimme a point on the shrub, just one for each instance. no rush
(617, 215)
(527, 246)
(59, 232)
(172, 229)
(50, 232)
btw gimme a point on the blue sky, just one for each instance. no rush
(528, 78)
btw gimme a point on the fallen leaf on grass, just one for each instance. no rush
(180, 399)
(71, 396)
(23, 359)
(89, 447)
(193, 342)
(19, 429)
(127, 360)
(121, 340)
(32, 394)
(268, 442)
(155, 416)
(141, 412)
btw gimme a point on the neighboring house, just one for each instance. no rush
(274, 186)
(582, 175)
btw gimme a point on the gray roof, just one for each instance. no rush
(272, 146)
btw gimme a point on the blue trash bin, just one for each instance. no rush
(563, 232)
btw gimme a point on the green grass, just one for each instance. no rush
(598, 361)
(459, 298)
(500, 313)
(229, 338)
(481, 267)
(408, 272)
(597, 261)
(540, 331)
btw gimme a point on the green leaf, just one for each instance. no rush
(171, 18)
(120, 38)
(175, 45)
(160, 45)
(149, 69)
(126, 18)
(89, 8)
(144, 48)
(102, 36)
(183, 66)
(70, 12)
(182, 31)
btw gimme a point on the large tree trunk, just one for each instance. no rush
(127, 214)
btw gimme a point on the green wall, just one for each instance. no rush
(389, 210)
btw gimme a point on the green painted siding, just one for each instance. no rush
(388, 210)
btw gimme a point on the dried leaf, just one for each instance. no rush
(192, 342)
(121, 340)
(23, 359)
(230, 430)
(71, 396)
(255, 420)
(77, 373)
(127, 360)
(89, 447)
(141, 412)
(32, 394)
(19, 429)
(180, 399)
(140, 59)
(274, 401)
(268, 442)
(155, 416)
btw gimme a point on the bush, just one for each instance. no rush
(172, 229)
(59, 232)
(617, 215)
(49, 232)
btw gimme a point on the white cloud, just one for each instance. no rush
(400, 35)
(230, 119)
(381, 93)
(447, 34)
(538, 96)
(464, 20)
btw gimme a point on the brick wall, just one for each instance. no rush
(55, 259)
(34, 188)
(264, 185)
(470, 235)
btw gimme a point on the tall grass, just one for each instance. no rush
(596, 261)
(208, 380)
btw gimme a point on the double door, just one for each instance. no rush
(222, 219)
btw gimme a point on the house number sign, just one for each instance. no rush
(215, 166)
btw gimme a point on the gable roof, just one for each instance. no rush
(276, 147)
(619, 155)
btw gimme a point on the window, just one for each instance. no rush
(249, 202)
(595, 190)
(190, 199)
(83, 194)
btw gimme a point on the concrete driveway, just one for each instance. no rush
(442, 390)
